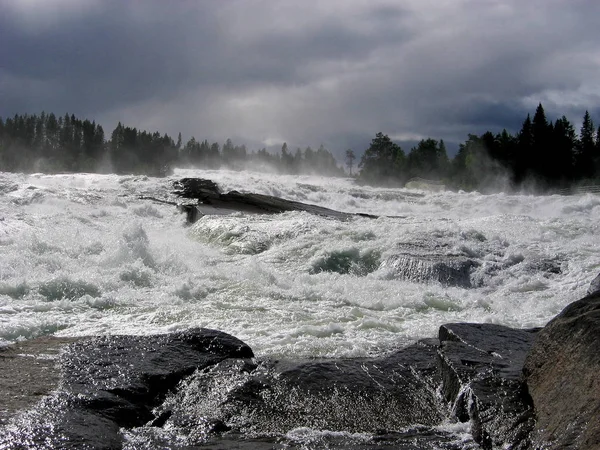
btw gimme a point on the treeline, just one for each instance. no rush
(51, 144)
(542, 155)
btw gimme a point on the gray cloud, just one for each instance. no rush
(335, 72)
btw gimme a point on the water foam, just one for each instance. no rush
(87, 256)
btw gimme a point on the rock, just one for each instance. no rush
(350, 395)
(519, 389)
(212, 201)
(562, 376)
(112, 382)
(28, 371)
(594, 286)
(481, 370)
(429, 261)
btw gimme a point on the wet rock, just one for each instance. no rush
(519, 389)
(365, 395)
(594, 286)
(112, 382)
(430, 262)
(212, 201)
(28, 371)
(562, 376)
(481, 370)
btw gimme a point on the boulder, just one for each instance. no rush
(113, 382)
(430, 261)
(519, 389)
(562, 373)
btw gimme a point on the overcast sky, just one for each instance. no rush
(307, 72)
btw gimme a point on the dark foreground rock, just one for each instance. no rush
(274, 397)
(481, 368)
(563, 375)
(203, 387)
(518, 389)
(112, 382)
(212, 201)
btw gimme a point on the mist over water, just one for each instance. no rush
(82, 254)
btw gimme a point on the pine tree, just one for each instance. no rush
(524, 156)
(562, 156)
(540, 141)
(584, 157)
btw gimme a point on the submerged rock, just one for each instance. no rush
(349, 395)
(562, 373)
(431, 261)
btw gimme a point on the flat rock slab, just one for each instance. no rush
(213, 201)
(29, 370)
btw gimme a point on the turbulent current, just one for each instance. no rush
(90, 255)
(87, 254)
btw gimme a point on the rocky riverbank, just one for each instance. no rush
(518, 389)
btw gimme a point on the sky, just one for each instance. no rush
(310, 72)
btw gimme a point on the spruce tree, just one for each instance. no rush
(584, 157)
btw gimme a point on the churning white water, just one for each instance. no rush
(83, 254)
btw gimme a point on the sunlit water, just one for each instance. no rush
(82, 254)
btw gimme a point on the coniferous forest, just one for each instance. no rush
(51, 144)
(543, 155)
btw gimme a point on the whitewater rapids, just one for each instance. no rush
(83, 254)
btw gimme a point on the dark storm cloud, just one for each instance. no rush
(109, 57)
(334, 72)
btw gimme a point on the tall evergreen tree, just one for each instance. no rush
(524, 157)
(541, 136)
(428, 160)
(561, 158)
(584, 157)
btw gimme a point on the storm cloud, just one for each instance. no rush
(334, 72)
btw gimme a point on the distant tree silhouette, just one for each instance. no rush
(552, 153)
(383, 161)
(350, 157)
(585, 151)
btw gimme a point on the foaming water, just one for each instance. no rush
(82, 254)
